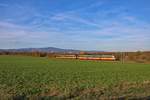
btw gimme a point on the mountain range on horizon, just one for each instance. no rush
(56, 50)
(48, 50)
(44, 49)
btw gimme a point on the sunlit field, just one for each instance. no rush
(31, 77)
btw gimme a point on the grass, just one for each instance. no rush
(22, 76)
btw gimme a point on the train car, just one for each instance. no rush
(108, 57)
(97, 57)
(89, 57)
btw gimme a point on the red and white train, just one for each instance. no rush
(88, 57)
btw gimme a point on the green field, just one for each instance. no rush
(25, 77)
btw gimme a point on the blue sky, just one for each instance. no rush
(111, 25)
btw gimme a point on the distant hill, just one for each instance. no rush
(47, 49)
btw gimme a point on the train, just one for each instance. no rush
(88, 57)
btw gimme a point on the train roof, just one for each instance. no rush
(105, 56)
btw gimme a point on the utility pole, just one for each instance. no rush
(122, 56)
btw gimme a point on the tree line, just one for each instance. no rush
(139, 56)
